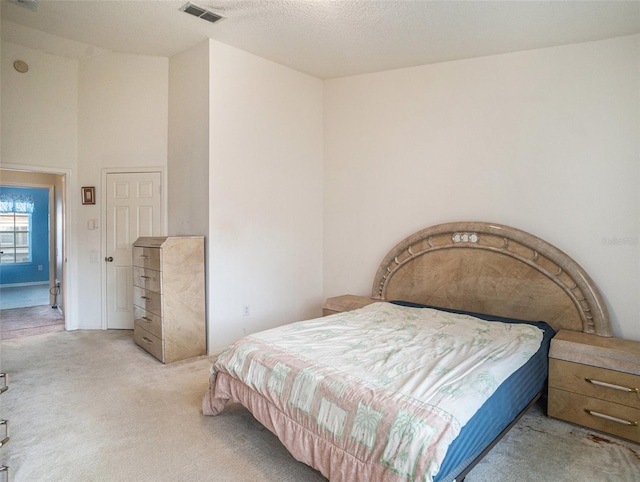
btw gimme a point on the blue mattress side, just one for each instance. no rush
(502, 407)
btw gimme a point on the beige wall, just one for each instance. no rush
(39, 119)
(1, 94)
(264, 156)
(544, 140)
(39, 108)
(188, 162)
(76, 117)
(122, 118)
(252, 130)
(188, 149)
(265, 188)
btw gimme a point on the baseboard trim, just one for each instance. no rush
(17, 285)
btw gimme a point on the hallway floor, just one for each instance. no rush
(32, 320)
(23, 296)
(26, 311)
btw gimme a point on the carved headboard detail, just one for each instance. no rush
(493, 269)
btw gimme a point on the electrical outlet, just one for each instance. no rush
(246, 310)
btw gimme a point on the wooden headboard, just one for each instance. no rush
(493, 269)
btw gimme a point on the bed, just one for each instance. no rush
(424, 377)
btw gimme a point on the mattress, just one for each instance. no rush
(513, 395)
(380, 393)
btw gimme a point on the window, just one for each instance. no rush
(15, 227)
(14, 238)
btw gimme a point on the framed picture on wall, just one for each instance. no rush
(88, 195)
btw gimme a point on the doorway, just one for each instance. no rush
(31, 265)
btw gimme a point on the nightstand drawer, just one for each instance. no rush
(611, 385)
(598, 414)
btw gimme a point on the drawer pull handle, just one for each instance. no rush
(4, 387)
(146, 299)
(145, 256)
(147, 341)
(611, 385)
(609, 417)
(148, 320)
(5, 440)
(145, 277)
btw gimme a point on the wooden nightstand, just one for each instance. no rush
(595, 381)
(342, 303)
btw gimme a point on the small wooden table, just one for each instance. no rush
(594, 381)
(338, 304)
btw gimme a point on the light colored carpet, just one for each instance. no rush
(91, 406)
(33, 320)
(543, 449)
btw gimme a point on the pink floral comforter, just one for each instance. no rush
(373, 394)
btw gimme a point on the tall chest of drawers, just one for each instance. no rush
(169, 296)
(595, 382)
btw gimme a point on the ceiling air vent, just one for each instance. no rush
(203, 13)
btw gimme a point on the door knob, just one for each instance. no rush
(109, 259)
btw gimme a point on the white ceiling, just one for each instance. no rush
(328, 38)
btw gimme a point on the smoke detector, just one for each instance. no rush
(201, 12)
(30, 4)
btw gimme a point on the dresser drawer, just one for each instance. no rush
(148, 300)
(598, 414)
(148, 279)
(147, 320)
(147, 257)
(611, 385)
(149, 342)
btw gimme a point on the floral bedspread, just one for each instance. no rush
(385, 388)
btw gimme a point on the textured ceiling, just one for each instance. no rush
(326, 38)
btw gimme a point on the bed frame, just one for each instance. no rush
(493, 269)
(485, 268)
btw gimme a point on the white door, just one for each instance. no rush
(134, 209)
